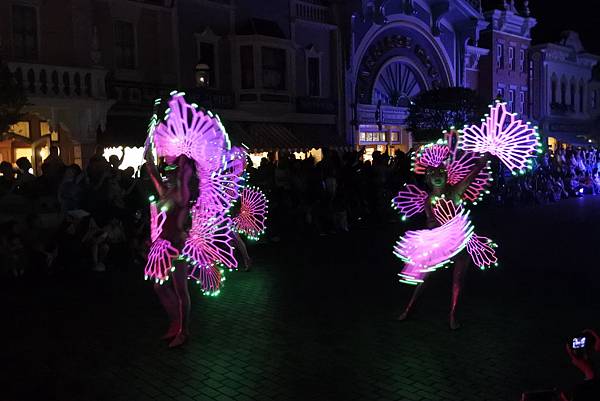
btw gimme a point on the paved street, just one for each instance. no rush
(313, 321)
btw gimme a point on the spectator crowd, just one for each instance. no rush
(73, 219)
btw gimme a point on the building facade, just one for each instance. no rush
(272, 73)
(50, 50)
(90, 69)
(505, 72)
(398, 49)
(563, 90)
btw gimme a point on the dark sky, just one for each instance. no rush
(554, 16)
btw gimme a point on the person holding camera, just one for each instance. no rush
(580, 351)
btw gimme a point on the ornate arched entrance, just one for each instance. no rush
(393, 63)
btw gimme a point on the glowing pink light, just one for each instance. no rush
(210, 241)
(432, 155)
(482, 251)
(252, 215)
(157, 220)
(427, 250)
(193, 133)
(445, 210)
(160, 260)
(219, 189)
(460, 168)
(410, 201)
(209, 277)
(503, 135)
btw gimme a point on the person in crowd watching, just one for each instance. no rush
(25, 181)
(53, 168)
(7, 177)
(589, 389)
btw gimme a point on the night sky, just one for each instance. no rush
(553, 17)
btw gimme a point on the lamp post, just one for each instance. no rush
(202, 75)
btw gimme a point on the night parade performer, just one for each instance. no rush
(437, 180)
(457, 172)
(174, 196)
(193, 235)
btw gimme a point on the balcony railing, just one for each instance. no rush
(476, 4)
(312, 11)
(57, 81)
(315, 105)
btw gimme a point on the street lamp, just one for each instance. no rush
(202, 75)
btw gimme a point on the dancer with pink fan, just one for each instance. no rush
(192, 234)
(457, 171)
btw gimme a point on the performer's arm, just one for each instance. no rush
(462, 186)
(153, 172)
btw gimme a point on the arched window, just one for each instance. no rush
(563, 90)
(581, 97)
(572, 92)
(553, 89)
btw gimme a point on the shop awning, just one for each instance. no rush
(570, 139)
(124, 131)
(272, 136)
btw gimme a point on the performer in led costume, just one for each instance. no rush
(456, 173)
(193, 237)
(171, 234)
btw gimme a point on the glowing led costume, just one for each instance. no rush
(501, 134)
(252, 215)
(209, 243)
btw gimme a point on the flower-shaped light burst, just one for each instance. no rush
(431, 155)
(160, 260)
(210, 241)
(208, 277)
(219, 189)
(410, 201)
(252, 215)
(514, 142)
(482, 251)
(427, 250)
(460, 168)
(194, 133)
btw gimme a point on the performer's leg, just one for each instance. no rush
(241, 246)
(168, 299)
(461, 263)
(179, 277)
(413, 299)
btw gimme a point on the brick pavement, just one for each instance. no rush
(313, 323)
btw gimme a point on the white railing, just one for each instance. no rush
(312, 11)
(58, 81)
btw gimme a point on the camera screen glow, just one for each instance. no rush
(578, 342)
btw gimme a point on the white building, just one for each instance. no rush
(561, 78)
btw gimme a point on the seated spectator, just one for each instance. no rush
(25, 182)
(586, 183)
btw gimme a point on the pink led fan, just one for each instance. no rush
(426, 250)
(210, 241)
(410, 201)
(461, 167)
(432, 155)
(252, 215)
(219, 189)
(197, 134)
(503, 135)
(208, 277)
(481, 249)
(160, 260)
